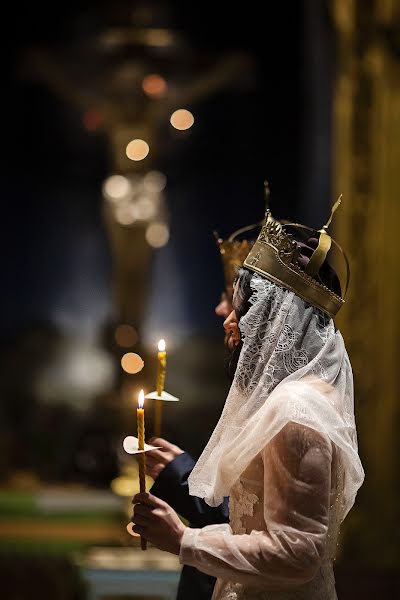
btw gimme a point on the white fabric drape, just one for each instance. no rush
(280, 524)
(293, 368)
(285, 452)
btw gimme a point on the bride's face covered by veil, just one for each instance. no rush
(243, 292)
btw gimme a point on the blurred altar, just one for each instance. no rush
(133, 131)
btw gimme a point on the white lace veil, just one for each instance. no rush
(293, 367)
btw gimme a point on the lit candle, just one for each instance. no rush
(141, 456)
(162, 363)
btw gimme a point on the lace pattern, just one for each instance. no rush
(246, 512)
(244, 504)
(315, 590)
(293, 366)
(241, 504)
(291, 401)
(284, 353)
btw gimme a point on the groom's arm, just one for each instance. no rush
(171, 485)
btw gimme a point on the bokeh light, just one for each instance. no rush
(132, 363)
(154, 181)
(137, 149)
(157, 234)
(124, 486)
(182, 119)
(126, 214)
(116, 187)
(145, 208)
(154, 85)
(125, 335)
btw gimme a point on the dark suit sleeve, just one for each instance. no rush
(172, 486)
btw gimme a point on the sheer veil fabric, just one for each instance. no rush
(293, 368)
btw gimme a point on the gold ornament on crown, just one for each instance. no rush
(275, 256)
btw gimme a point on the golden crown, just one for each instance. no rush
(275, 256)
(234, 250)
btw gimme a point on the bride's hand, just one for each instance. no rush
(157, 460)
(157, 522)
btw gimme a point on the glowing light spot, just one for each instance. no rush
(132, 363)
(182, 119)
(125, 336)
(157, 235)
(161, 346)
(116, 187)
(126, 214)
(154, 181)
(154, 85)
(145, 208)
(137, 149)
(141, 399)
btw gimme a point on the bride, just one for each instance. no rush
(285, 447)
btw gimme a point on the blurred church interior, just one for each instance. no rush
(132, 132)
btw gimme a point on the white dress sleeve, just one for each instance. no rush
(288, 549)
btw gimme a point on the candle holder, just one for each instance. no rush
(131, 446)
(164, 396)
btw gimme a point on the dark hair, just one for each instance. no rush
(241, 305)
(243, 292)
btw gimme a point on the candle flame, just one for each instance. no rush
(161, 346)
(141, 399)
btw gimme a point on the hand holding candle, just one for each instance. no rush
(141, 456)
(161, 368)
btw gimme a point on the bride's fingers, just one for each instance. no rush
(139, 519)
